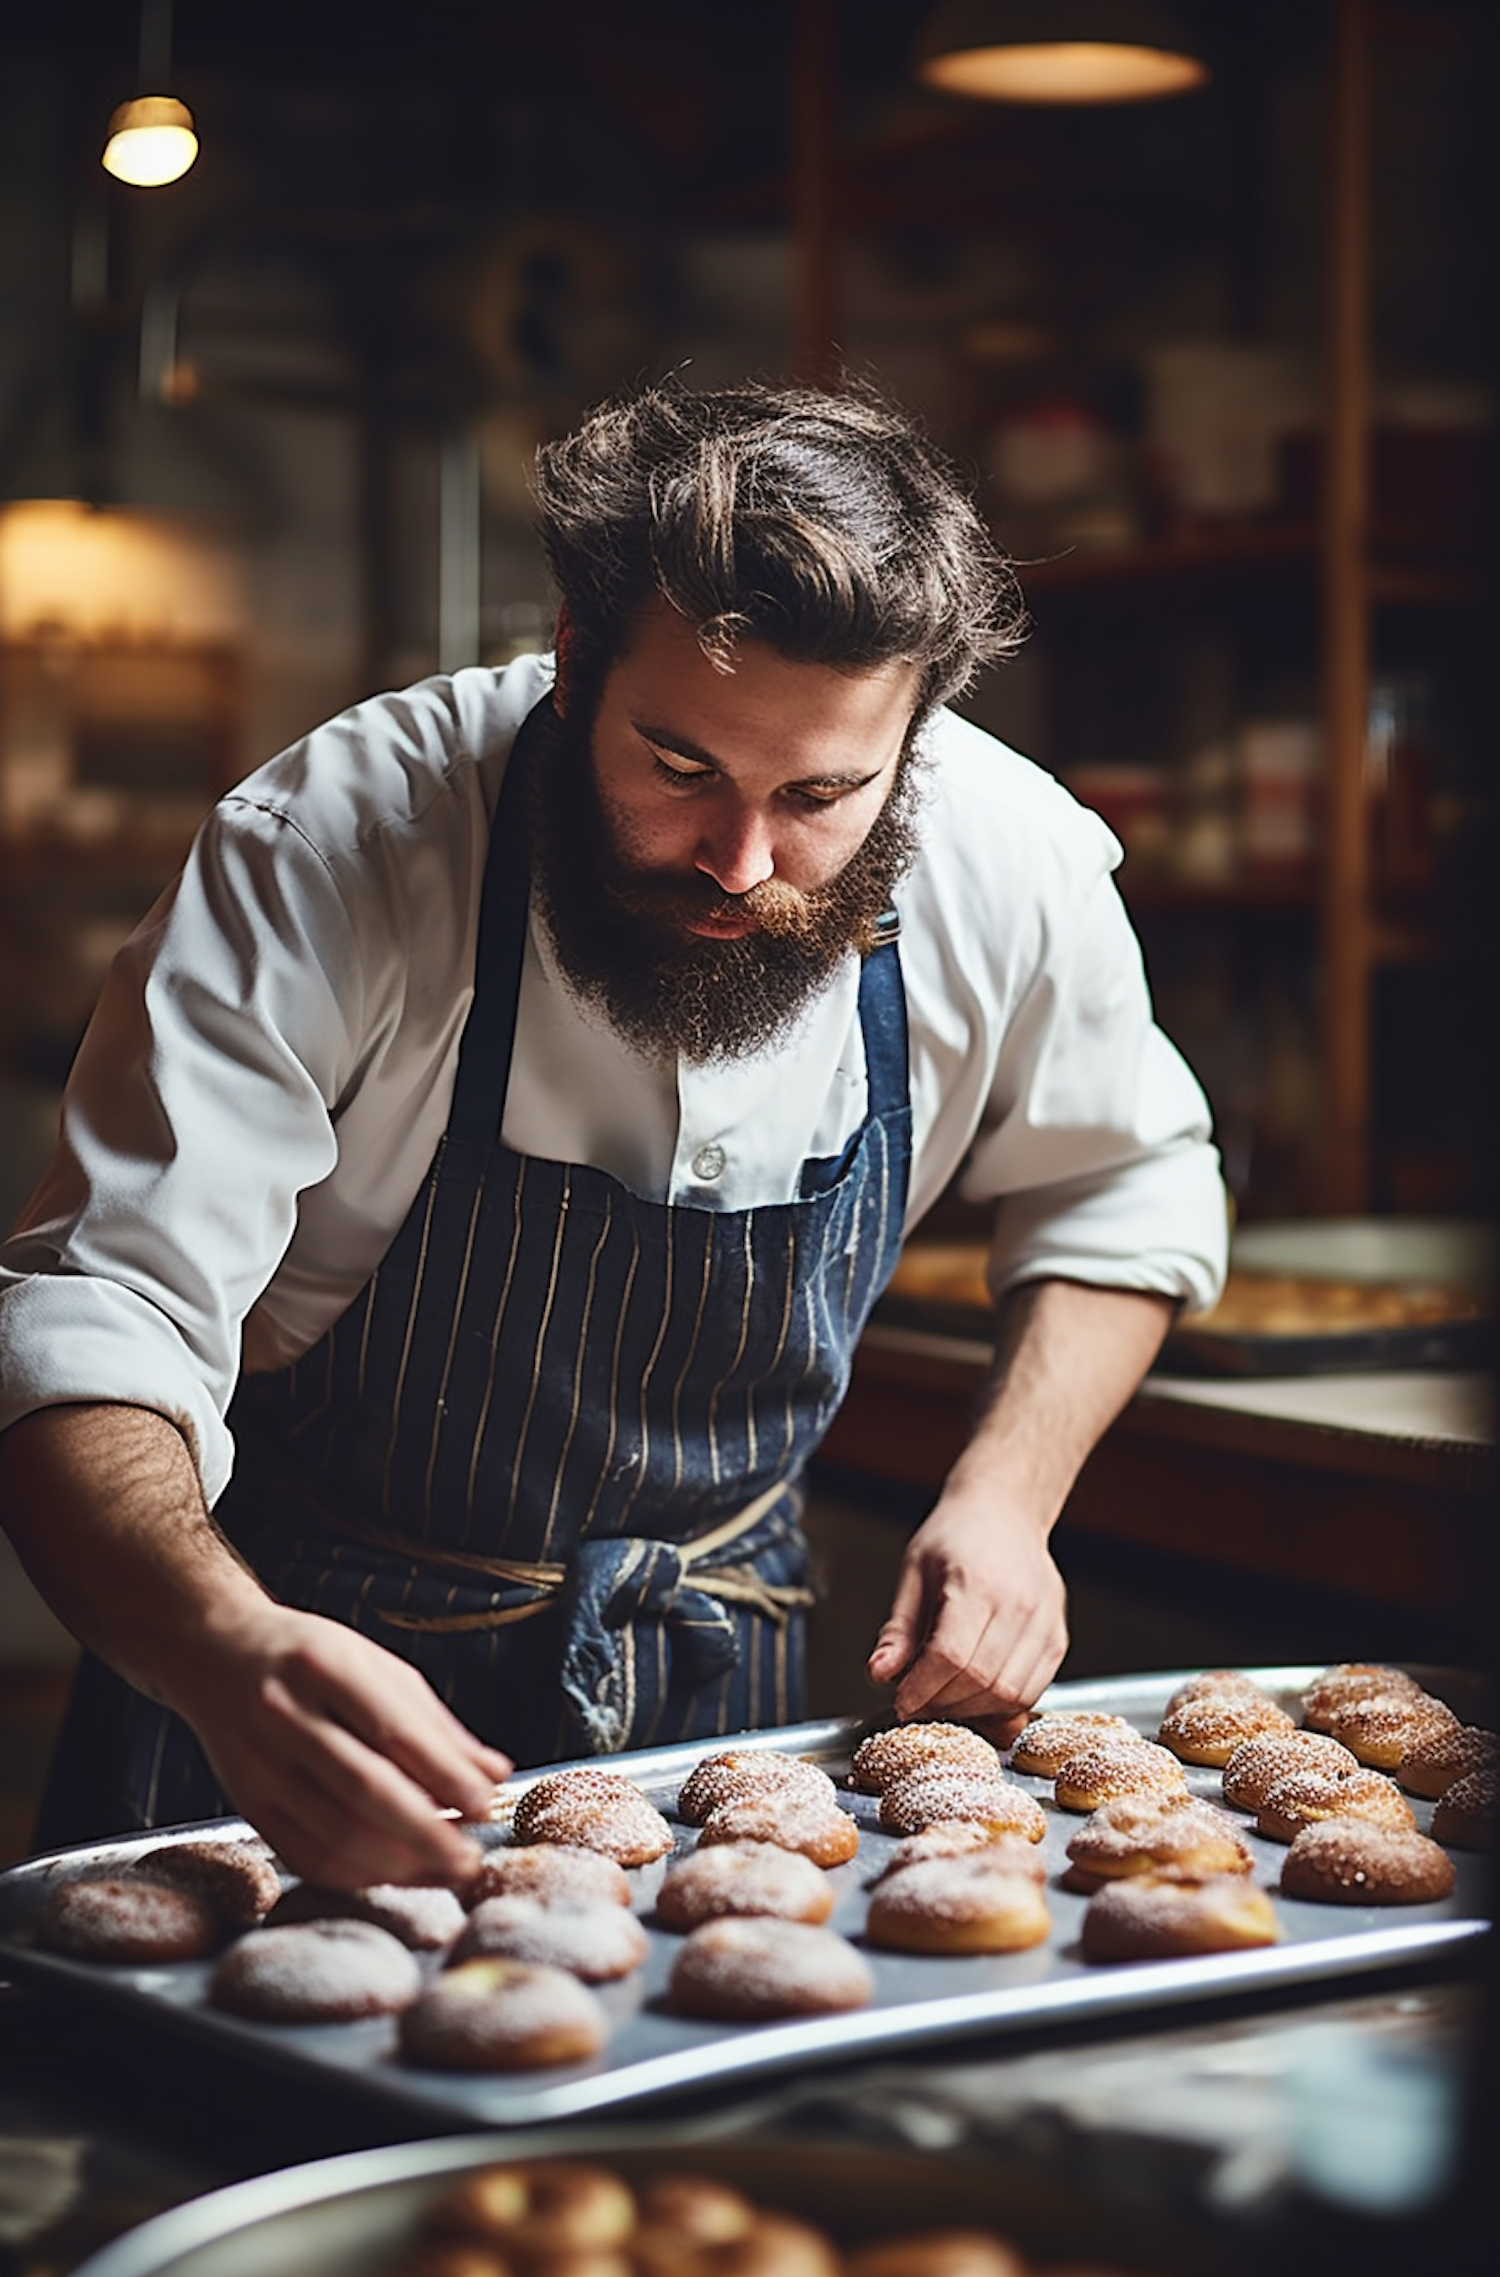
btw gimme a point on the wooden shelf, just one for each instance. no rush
(1408, 941)
(1398, 571)
(1345, 565)
(1412, 583)
(1233, 548)
(37, 854)
(1276, 892)
(112, 750)
(1414, 938)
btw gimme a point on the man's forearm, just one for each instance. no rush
(340, 1753)
(107, 1515)
(1068, 1357)
(977, 1628)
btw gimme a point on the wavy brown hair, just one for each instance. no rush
(826, 525)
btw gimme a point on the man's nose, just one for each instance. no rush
(737, 852)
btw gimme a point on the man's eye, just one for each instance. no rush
(678, 773)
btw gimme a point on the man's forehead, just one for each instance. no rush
(667, 683)
(727, 650)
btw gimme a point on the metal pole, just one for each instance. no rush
(156, 47)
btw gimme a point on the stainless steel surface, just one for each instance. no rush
(918, 2000)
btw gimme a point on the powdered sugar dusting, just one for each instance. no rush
(761, 1968)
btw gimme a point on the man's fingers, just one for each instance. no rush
(318, 1836)
(927, 1662)
(924, 1689)
(1034, 1678)
(944, 1669)
(402, 1720)
(446, 1761)
(977, 1691)
(1007, 1692)
(938, 1671)
(901, 1634)
(356, 1772)
(994, 1675)
(337, 1855)
(373, 1807)
(893, 1650)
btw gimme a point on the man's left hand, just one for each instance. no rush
(978, 1629)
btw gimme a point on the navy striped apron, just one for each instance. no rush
(551, 1453)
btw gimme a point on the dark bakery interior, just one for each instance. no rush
(1220, 365)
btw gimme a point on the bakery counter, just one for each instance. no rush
(1374, 1484)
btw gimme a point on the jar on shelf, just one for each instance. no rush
(1398, 785)
(1280, 765)
(1062, 477)
(1136, 801)
(1216, 413)
(1206, 844)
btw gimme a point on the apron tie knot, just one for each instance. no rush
(613, 1585)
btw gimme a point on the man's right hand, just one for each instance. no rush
(339, 1752)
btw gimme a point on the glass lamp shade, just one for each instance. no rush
(151, 141)
(1057, 51)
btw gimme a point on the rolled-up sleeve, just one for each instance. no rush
(1096, 1138)
(199, 1108)
(1041, 1082)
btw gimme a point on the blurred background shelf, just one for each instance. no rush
(1220, 367)
(1218, 364)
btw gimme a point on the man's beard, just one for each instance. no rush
(619, 935)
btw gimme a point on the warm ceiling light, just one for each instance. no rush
(151, 141)
(1053, 51)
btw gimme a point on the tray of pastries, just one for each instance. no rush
(1299, 1324)
(1301, 1298)
(628, 2205)
(646, 1925)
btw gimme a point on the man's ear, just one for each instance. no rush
(563, 643)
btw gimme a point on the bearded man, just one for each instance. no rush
(483, 1162)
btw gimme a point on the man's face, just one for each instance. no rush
(712, 844)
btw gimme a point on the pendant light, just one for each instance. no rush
(1057, 51)
(151, 138)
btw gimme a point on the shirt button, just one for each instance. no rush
(708, 1163)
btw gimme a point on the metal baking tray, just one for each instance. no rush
(918, 1999)
(1381, 1254)
(940, 1287)
(356, 2214)
(1200, 1349)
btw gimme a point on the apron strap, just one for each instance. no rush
(484, 1052)
(545, 1581)
(882, 1018)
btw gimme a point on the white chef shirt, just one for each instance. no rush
(270, 1067)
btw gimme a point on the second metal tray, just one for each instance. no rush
(918, 1999)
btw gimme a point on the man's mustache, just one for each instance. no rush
(779, 910)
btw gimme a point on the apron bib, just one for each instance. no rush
(551, 1452)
